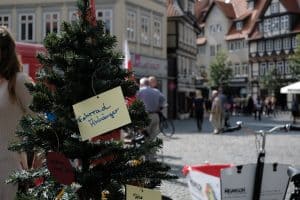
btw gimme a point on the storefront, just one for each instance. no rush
(145, 66)
(239, 87)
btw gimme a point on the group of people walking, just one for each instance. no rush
(259, 106)
(221, 107)
(219, 110)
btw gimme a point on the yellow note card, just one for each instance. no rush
(139, 193)
(101, 113)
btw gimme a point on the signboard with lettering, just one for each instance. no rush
(139, 193)
(204, 181)
(238, 182)
(101, 113)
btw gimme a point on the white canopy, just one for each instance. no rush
(293, 88)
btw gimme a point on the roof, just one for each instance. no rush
(235, 10)
(227, 8)
(173, 9)
(249, 19)
(240, 7)
(291, 5)
(243, 16)
(256, 34)
(201, 8)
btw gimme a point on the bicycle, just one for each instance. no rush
(166, 125)
(293, 173)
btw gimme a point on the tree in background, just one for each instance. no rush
(272, 81)
(80, 63)
(294, 62)
(220, 73)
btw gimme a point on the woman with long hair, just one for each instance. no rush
(14, 103)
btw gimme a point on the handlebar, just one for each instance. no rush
(263, 133)
(285, 127)
(260, 161)
(281, 127)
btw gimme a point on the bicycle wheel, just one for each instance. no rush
(167, 127)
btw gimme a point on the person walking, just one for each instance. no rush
(216, 113)
(250, 106)
(153, 101)
(153, 84)
(14, 103)
(295, 109)
(258, 108)
(199, 108)
(223, 99)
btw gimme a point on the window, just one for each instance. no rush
(218, 28)
(237, 45)
(131, 25)
(287, 67)
(275, 24)
(105, 15)
(186, 36)
(202, 32)
(51, 23)
(286, 43)
(202, 49)
(263, 69)
(284, 23)
(237, 70)
(269, 45)
(250, 5)
(212, 50)
(181, 32)
(145, 24)
(180, 65)
(294, 42)
(192, 38)
(267, 24)
(5, 20)
(184, 64)
(274, 7)
(219, 47)
(246, 69)
(261, 46)
(271, 67)
(277, 45)
(73, 16)
(191, 7)
(26, 27)
(212, 29)
(239, 25)
(280, 68)
(231, 46)
(157, 32)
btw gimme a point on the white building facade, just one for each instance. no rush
(141, 22)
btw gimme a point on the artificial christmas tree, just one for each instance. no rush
(81, 63)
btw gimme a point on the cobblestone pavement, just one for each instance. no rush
(190, 147)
